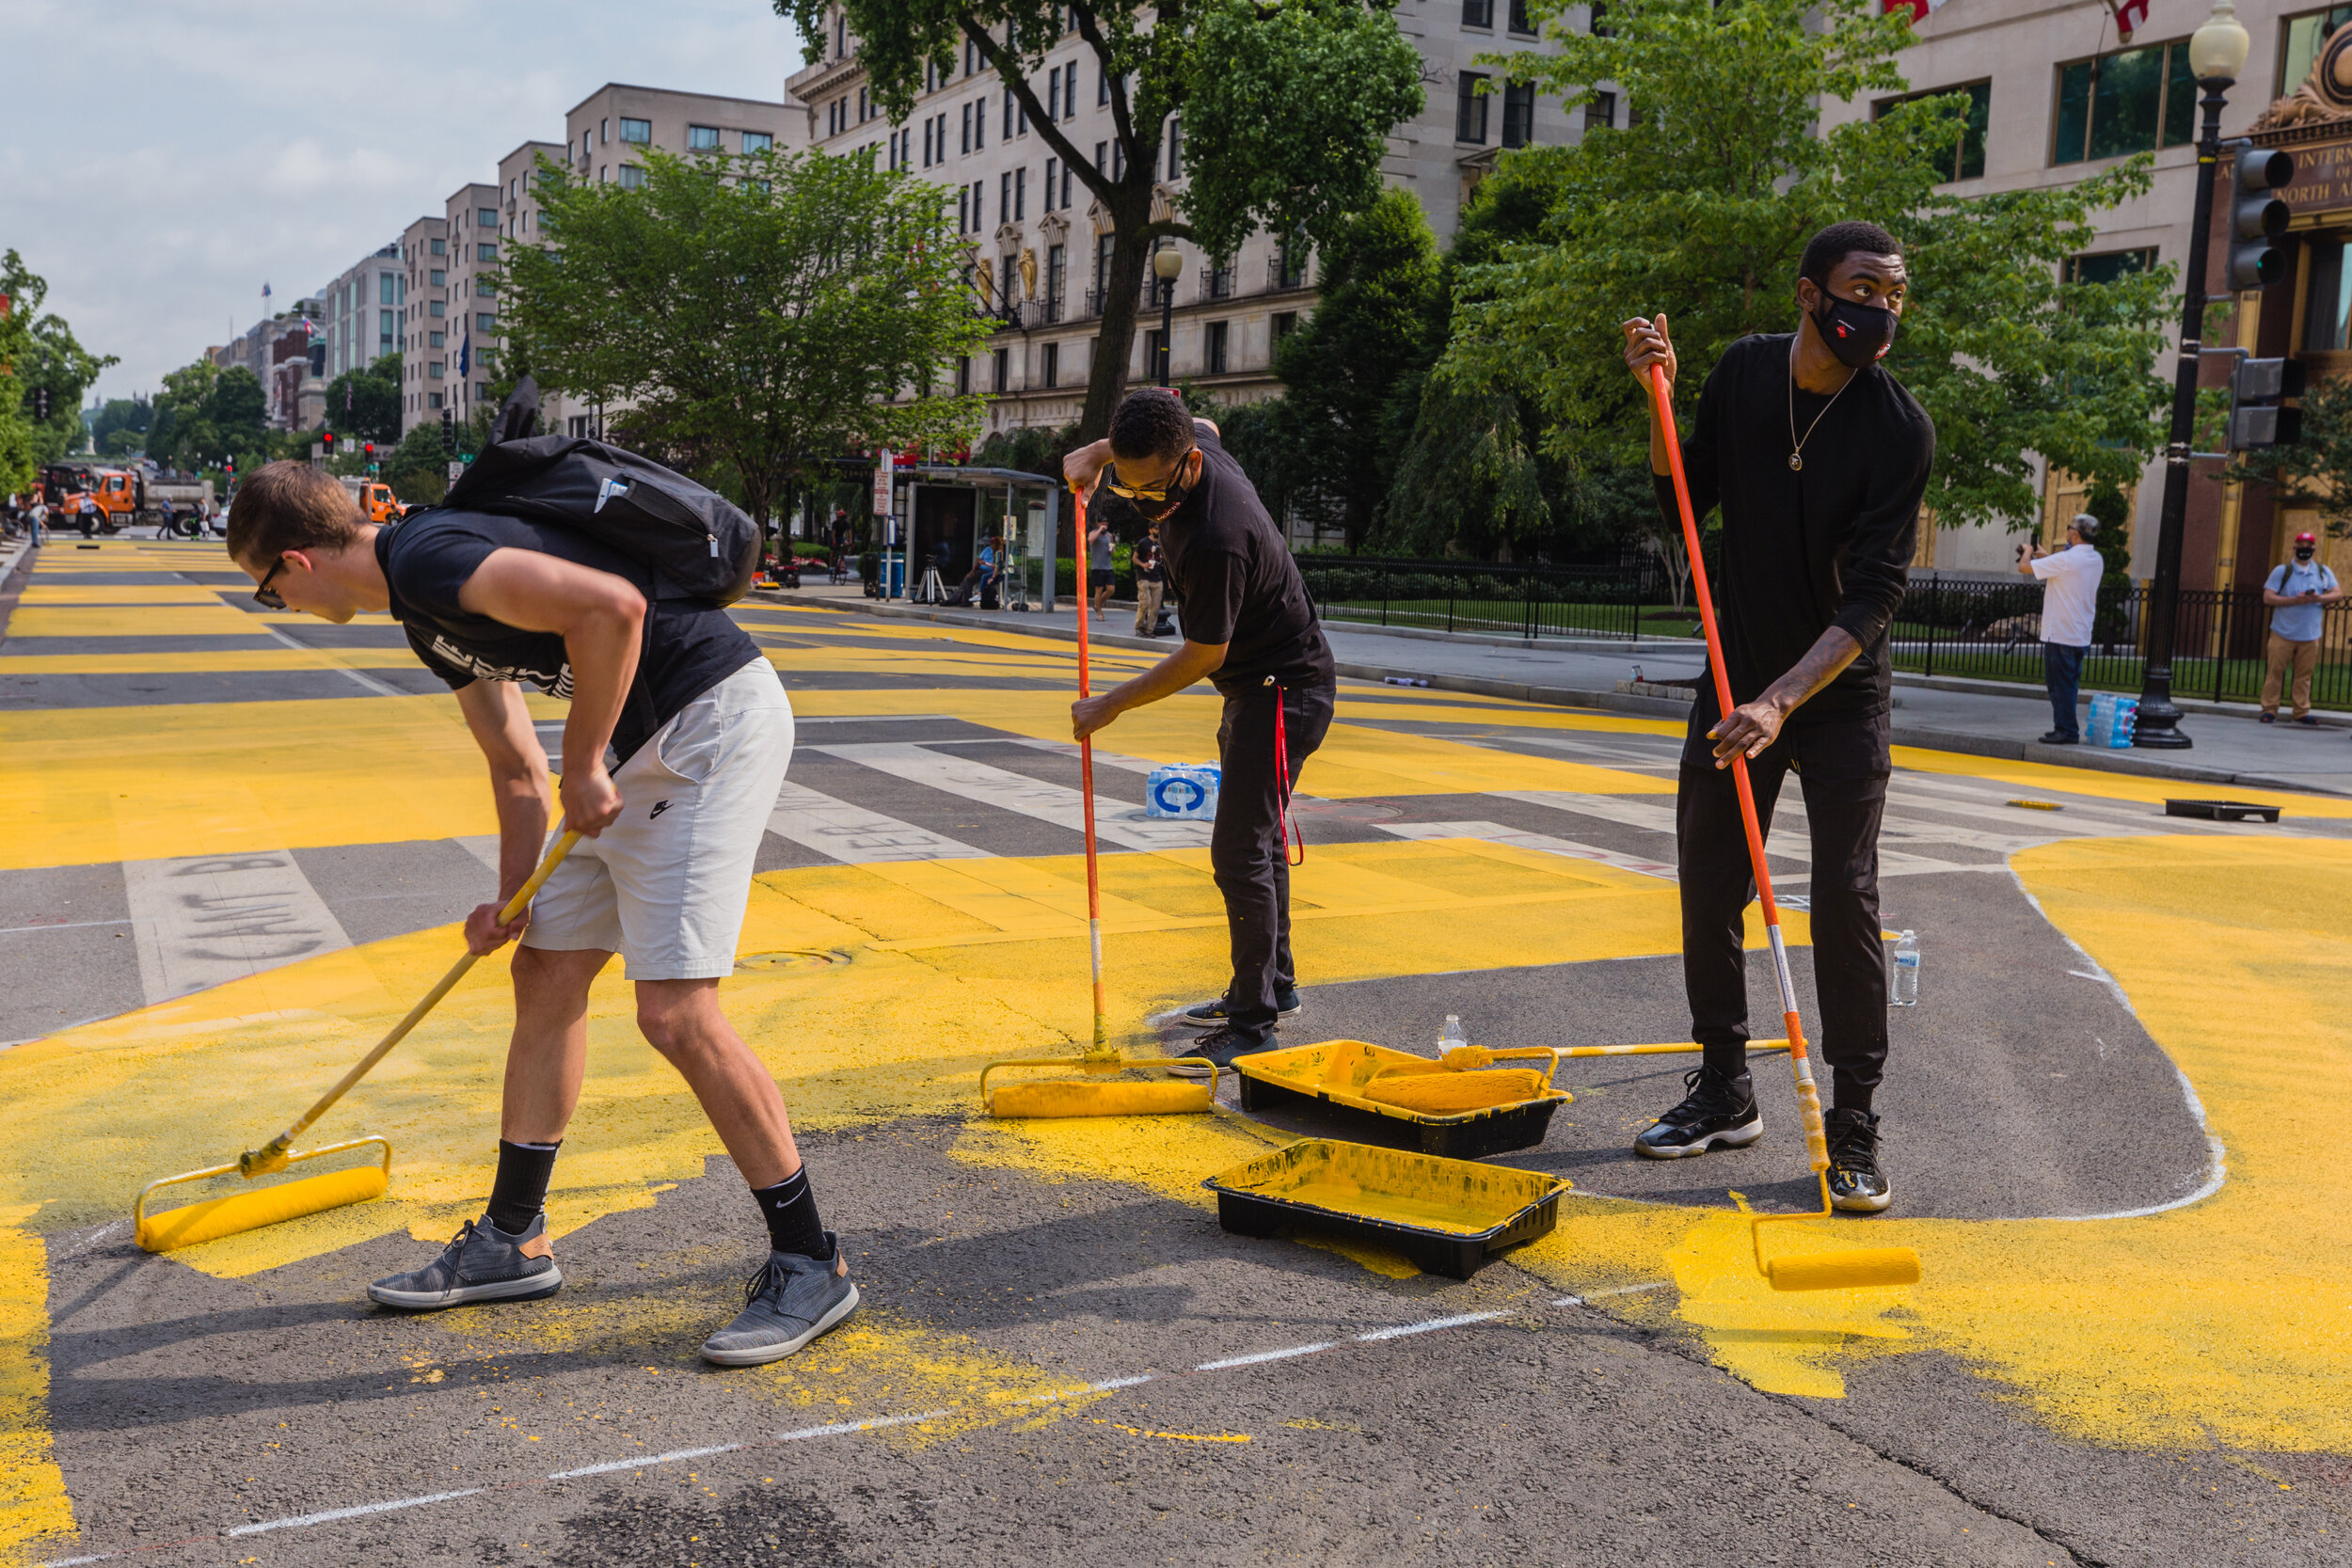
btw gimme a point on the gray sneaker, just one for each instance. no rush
(790, 1301)
(481, 1263)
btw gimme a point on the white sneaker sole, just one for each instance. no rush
(1857, 1205)
(1738, 1137)
(760, 1355)
(1186, 1021)
(533, 1288)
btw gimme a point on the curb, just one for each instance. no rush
(2085, 757)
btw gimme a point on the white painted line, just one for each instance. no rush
(376, 687)
(842, 1429)
(674, 1457)
(1261, 1358)
(1628, 812)
(1115, 822)
(208, 919)
(1403, 1329)
(1519, 838)
(57, 925)
(1613, 1290)
(854, 835)
(303, 1521)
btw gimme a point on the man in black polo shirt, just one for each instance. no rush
(1251, 632)
(1818, 459)
(702, 732)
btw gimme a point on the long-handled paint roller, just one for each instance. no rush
(226, 1216)
(1820, 1271)
(1077, 1097)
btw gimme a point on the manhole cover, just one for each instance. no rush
(791, 958)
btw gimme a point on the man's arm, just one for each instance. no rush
(2271, 595)
(600, 617)
(1189, 662)
(500, 722)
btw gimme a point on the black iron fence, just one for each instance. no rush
(1993, 631)
(1628, 600)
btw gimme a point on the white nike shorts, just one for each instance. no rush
(666, 884)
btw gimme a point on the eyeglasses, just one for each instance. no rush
(1125, 492)
(266, 596)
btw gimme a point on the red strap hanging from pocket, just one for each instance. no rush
(1283, 780)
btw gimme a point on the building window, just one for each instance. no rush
(1070, 91)
(1154, 344)
(979, 200)
(440, 247)
(433, 370)
(387, 288)
(2300, 38)
(1052, 93)
(482, 391)
(632, 178)
(1220, 335)
(1518, 114)
(1004, 371)
(964, 209)
(1285, 323)
(434, 307)
(971, 58)
(1049, 366)
(702, 138)
(1602, 112)
(1470, 109)
(438, 277)
(433, 399)
(1290, 264)
(758, 141)
(1104, 245)
(964, 368)
(1478, 14)
(980, 124)
(1599, 26)
(485, 251)
(488, 218)
(1175, 146)
(637, 130)
(437, 340)
(1968, 156)
(1053, 170)
(2131, 102)
(484, 322)
(2105, 266)
(1102, 90)
(1057, 271)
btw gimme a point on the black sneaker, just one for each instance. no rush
(1221, 1045)
(2059, 737)
(2309, 721)
(1717, 1110)
(790, 1301)
(1855, 1182)
(481, 1263)
(1212, 1015)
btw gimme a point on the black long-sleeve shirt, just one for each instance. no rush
(1830, 545)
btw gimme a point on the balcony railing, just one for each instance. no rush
(1217, 283)
(1281, 276)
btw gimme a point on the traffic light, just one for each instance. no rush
(229, 470)
(40, 404)
(2257, 415)
(2258, 220)
(367, 454)
(326, 440)
(448, 436)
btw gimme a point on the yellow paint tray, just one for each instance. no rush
(1455, 1115)
(1448, 1217)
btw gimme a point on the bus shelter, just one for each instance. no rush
(948, 511)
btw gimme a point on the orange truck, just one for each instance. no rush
(125, 496)
(375, 499)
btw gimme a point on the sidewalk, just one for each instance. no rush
(1978, 718)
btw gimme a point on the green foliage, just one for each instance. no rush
(121, 427)
(364, 404)
(1700, 209)
(1030, 450)
(417, 468)
(1380, 284)
(753, 311)
(1287, 114)
(40, 350)
(2317, 471)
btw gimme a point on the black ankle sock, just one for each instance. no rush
(791, 1209)
(521, 1188)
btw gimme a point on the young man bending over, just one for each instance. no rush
(701, 731)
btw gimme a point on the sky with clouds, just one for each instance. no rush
(161, 159)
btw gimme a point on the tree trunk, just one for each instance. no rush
(1106, 377)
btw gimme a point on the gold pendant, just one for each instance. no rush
(1795, 462)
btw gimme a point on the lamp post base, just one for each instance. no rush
(2158, 727)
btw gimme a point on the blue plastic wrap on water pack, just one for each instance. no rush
(1182, 789)
(2111, 720)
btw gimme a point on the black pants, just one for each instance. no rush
(1844, 767)
(1246, 849)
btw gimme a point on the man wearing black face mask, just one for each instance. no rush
(1818, 460)
(1251, 632)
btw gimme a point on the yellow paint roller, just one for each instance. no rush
(1827, 1270)
(214, 1218)
(1096, 1094)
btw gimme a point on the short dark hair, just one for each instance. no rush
(1825, 251)
(1151, 422)
(290, 506)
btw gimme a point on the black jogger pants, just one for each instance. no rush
(1246, 849)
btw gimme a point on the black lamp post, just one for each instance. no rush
(2217, 53)
(1168, 265)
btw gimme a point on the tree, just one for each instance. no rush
(761, 311)
(364, 404)
(2316, 470)
(121, 426)
(417, 468)
(1701, 208)
(42, 354)
(1285, 109)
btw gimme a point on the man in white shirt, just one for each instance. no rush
(2068, 604)
(2299, 593)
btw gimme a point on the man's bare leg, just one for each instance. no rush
(681, 1020)
(548, 1051)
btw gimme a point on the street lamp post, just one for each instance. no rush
(2217, 53)
(1168, 265)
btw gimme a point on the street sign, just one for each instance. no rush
(456, 470)
(882, 472)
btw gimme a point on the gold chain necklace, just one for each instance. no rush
(1796, 454)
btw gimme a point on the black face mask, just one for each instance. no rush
(1859, 335)
(2302, 555)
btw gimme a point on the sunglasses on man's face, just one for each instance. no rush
(266, 596)
(1138, 493)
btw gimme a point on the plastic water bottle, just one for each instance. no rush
(1903, 989)
(1450, 1035)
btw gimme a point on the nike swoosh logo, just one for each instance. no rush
(659, 807)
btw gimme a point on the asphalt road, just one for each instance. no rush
(1061, 1358)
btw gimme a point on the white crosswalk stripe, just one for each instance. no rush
(208, 919)
(1495, 832)
(1115, 822)
(842, 832)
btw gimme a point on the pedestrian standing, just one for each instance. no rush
(1250, 631)
(40, 521)
(2069, 604)
(1150, 582)
(1100, 573)
(2299, 593)
(88, 518)
(1818, 459)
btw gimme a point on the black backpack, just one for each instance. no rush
(699, 544)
